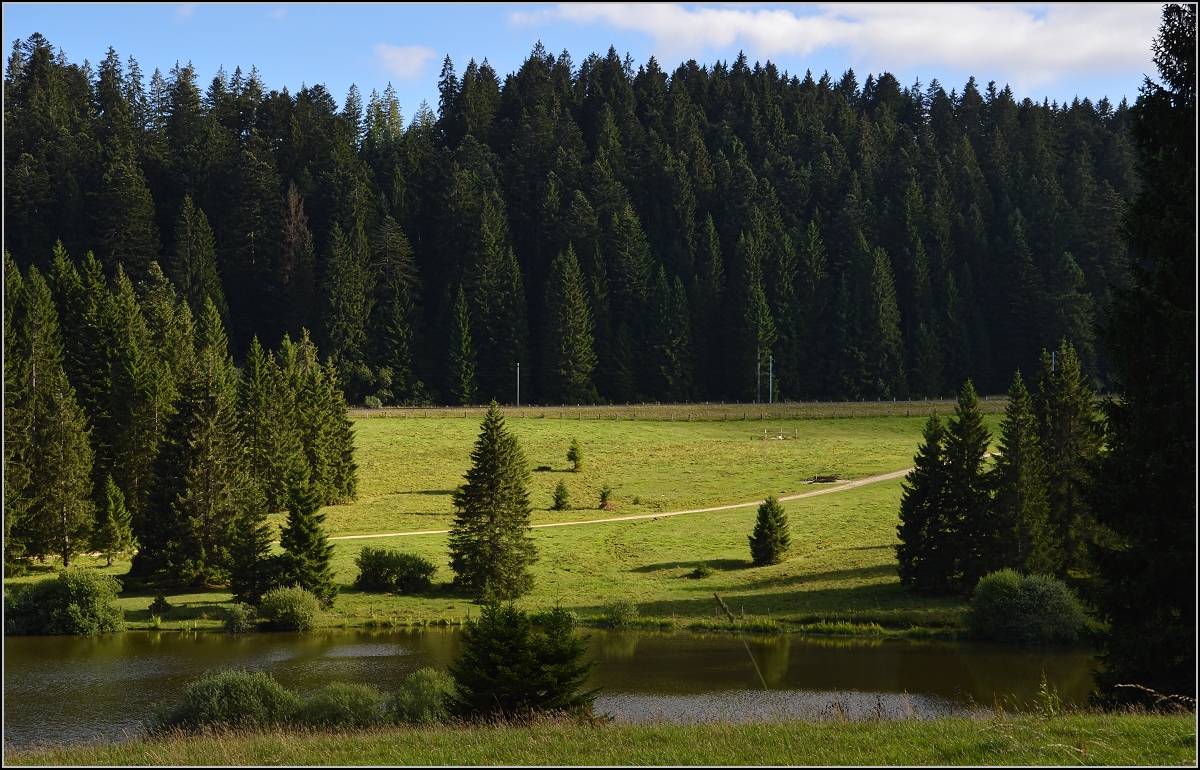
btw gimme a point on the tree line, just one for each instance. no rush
(128, 427)
(623, 232)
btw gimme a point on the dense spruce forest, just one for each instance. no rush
(622, 232)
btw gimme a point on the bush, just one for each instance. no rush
(620, 614)
(424, 698)
(76, 601)
(372, 402)
(1038, 609)
(160, 605)
(230, 699)
(605, 493)
(562, 498)
(290, 609)
(702, 571)
(381, 569)
(239, 618)
(508, 670)
(342, 704)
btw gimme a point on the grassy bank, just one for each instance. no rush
(841, 568)
(1094, 739)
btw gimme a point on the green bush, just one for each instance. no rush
(770, 541)
(702, 571)
(381, 569)
(423, 699)
(342, 704)
(76, 601)
(372, 402)
(621, 613)
(290, 609)
(239, 618)
(230, 699)
(1034, 609)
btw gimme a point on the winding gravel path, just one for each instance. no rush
(840, 486)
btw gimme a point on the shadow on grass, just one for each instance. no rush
(428, 492)
(832, 576)
(719, 565)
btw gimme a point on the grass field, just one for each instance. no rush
(841, 567)
(1092, 739)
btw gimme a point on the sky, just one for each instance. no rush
(1054, 51)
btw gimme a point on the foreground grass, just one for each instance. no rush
(1094, 739)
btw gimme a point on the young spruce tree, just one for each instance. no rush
(113, 535)
(925, 553)
(490, 549)
(968, 498)
(1026, 540)
(770, 541)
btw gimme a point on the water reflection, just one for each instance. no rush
(59, 689)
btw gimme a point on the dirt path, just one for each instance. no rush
(836, 487)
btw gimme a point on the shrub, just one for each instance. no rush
(770, 541)
(621, 613)
(290, 609)
(1038, 609)
(562, 497)
(372, 402)
(605, 493)
(508, 670)
(76, 601)
(343, 704)
(239, 618)
(702, 571)
(230, 699)
(160, 605)
(424, 698)
(381, 569)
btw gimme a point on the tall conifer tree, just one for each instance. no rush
(490, 548)
(569, 356)
(926, 549)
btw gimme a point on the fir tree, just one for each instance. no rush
(967, 503)
(460, 378)
(770, 541)
(17, 438)
(562, 497)
(1025, 539)
(925, 552)
(490, 550)
(253, 569)
(308, 550)
(60, 515)
(575, 455)
(1070, 437)
(193, 266)
(1143, 488)
(570, 356)
(113, 535)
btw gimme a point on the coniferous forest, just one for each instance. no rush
(623, 232)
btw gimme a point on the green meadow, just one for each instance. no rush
(841, 567)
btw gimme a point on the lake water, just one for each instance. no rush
(60, 689)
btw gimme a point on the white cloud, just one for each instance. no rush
(404, 62)
(185, 11)
(278, 13)
(1028, 44)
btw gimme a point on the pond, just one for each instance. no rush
(61, 689)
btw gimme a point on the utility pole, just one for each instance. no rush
(518, 383)
(1052, 360)
(757, 374)
(771, 382)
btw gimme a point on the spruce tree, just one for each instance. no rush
(1143, 488)
(460, 376)
(17, 438)
(490, 549)
(1070, 436)
(60, 515)
(253, 569)
(113, 535)
(307, 548)
(569, 355)
(770, 541)
(193, 266)
(575, 455)
(1025, 539)
(926, 552)
(968, 499)
(562, 497)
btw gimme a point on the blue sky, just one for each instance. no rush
(1054, 51)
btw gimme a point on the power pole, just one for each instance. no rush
(771, 382)
(518, 383)
(757, 374)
